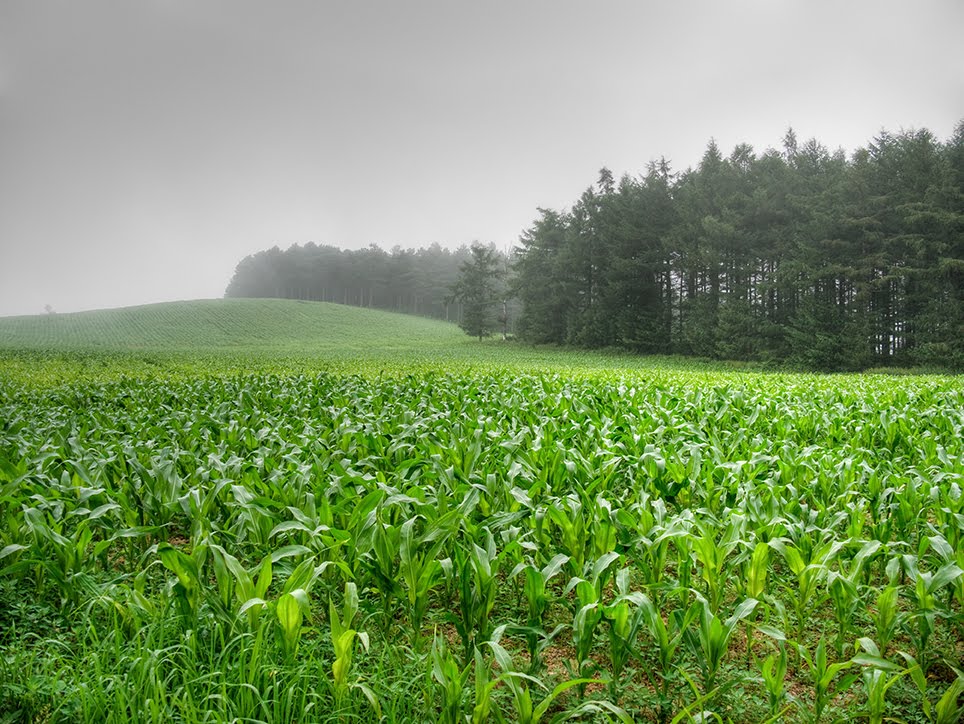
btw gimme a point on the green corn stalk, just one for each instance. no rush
(524, 709)
(808, 577)
(713, 638)
(420, 573)
(589, 606)
(950, 555)
(382, 562)
(451, 681)
(926, 608)
(623, 629)
(843, 595)
(886, 617)
(288, 611)
(484, 686)
(667, 635)
(825, 677)
(484, 564)
(948, 709)
(773, 670)
(343, 640)
(878, 676)
(66, 558)
(187, 589)
(232, 578)
(684, 568)
(568, 516)
(755, 574)
(712, 557)
(534, 587)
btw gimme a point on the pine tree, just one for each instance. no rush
(478, 288)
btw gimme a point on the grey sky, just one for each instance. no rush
(146, 146)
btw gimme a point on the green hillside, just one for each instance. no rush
(227, 336)
(209, 325)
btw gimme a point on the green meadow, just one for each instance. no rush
(278, 511)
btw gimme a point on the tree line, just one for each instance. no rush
(401, 280)
(797, 254)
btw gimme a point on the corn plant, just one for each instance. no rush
(667, 635)
(773, 671)
(948, 707)
(524, 709)
(805, 597)
(420, 572)
(879, 675)
(476, 571)
(755, 575)
(712, 637)
(451, 680)
(925, 607)
(343, 640)
(825, 677)
(538, 601)
(623, 626)
(886, 617)
(188, 588)
(589, 611)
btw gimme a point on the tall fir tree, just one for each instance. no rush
(478, 290)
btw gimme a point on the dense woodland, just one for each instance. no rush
(402, 280)
(797, 254)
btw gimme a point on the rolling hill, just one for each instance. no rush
(236, 336)
(237, 325)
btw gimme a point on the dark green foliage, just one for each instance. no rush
(481, 292)
(801, 255)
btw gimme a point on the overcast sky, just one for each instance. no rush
(147, 146)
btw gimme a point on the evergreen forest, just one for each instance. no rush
(793, 255)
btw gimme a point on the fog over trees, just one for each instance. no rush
(401, 280)
(795, 254)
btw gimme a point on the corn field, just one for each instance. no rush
(483, 547)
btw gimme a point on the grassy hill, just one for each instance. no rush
(229, 336)
(229, 325)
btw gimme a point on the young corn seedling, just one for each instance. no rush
(712, 557)
(843, 595)
(773, 670)
(187, 589)
(949, 707)
(713, 638)
(66, 558)
(755, 575)
(288, 611)
(806, 597)
(343, 640)
(421, 572)
(925, 605)
(623, 628)
(537, 602)
(476, 570)
(878, 676)
(451, 681)
(250, 590)
(887, 619)
(525, 711)
(484, 686)
(949, 555)
(667, 635)
(589, 608)
(825, 677)
(569, 517)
